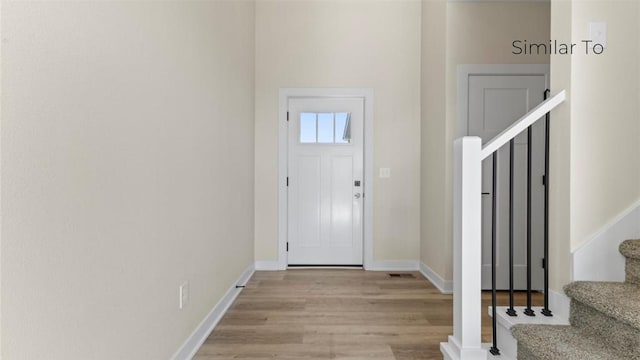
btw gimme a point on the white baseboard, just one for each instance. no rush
(268, 265)
(394, 265)
(598, 258)
(445, 286)
(188, 350)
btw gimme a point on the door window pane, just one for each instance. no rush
(307, 127)
(343, 128)
(325, 128)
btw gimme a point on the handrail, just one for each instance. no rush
(522, 124)
(466, 341)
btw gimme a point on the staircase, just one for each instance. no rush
(604, 320)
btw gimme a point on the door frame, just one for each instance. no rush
(283, 150)
(465, 71)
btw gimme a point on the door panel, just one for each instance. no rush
(308, 173)
(341, 202)
(495, 102)
(500, 105)
(325, 162)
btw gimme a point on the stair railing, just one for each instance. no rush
(465, 343)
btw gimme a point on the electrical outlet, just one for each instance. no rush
(184, 295)
(385, 173)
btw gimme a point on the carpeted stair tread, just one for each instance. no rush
(614, 299)
(562, 342)
(630, 249)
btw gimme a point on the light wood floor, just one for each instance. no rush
(336, 314)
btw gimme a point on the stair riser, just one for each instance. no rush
(633, 271)
(620, 336)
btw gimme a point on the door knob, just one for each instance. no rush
(357, 195)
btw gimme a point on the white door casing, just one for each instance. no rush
(325, 181)
(494, 101)
(285, 94)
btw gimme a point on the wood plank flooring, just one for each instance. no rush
(336, 314)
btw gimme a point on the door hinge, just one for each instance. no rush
(287, 246)
(544, 263)
(544, 180)
(287, 116)
(287, 181)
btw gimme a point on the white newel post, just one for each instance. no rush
(465, 344)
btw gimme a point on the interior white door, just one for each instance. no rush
(495, 102)
(325, 181)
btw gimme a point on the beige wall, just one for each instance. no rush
(353, 44)
(436, 207)
(604, 119)
(1, 57)
(595, 134)
(560, 149)
(476, 33)
(127, 168)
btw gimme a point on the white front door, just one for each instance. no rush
(325, 181)
(495, 102)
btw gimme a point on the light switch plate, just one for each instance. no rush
(598, 33)
(385, 172)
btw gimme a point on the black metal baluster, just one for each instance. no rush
(511, 311)
(494, 349)
(545, 311)
(528, 311)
